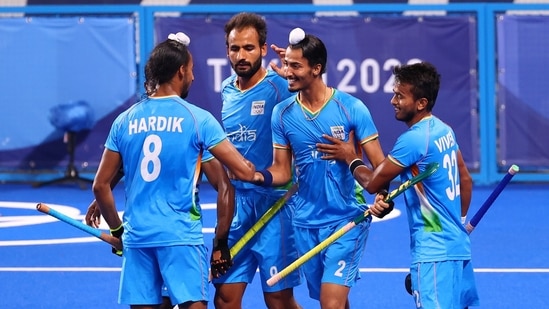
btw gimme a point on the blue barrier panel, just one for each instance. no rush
(49, 61)
(523, 106)
(488, 167)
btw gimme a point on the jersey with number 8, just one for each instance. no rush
(161, 141)
(434, 205)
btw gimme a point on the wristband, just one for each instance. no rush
(117, 232)
(116, 229)
(354, 164)
(463, 219)
(267, 178)
(223, 242)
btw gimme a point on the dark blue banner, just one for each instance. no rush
(361, 54)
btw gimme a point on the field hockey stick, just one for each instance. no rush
(113, 241)
(490, 200)
(262, 221)
(478, 215)
(431, 168)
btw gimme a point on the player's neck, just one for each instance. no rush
(419, 117)
(244, 83)
(165, 90)
(315, 96)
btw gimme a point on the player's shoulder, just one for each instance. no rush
(285, 104)
(137, 105)
(350, 102)
(195, 110)
(429, 122)
(274, 77)
(289, 101)
(228, 81)
(132, 110)
(346, 98)
(439, 122)
(440, 128)
(277, 81)
(422, 128)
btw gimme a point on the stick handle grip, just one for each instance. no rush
(113, 241)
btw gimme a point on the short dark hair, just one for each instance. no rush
(313, 50)
(423, 77)
(164, 61)
(244, 20)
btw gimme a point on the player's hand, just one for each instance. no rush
(381, 208)
(117, 232)
(281, 52)
(221, 260)
(338, 149)
(93, 216)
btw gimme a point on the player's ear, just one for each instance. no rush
(264, 50)
(181, 71)
(317, 69)
(422, 104)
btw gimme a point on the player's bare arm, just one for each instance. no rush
(372, 150)
(217, 177)
(465, 185)
(220, 260)
(93, 215)
(241, 168)
(279, 173)
(109, 166)
(375, 181)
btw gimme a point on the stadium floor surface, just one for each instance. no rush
(45, 263)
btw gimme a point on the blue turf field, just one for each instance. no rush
(45, 263)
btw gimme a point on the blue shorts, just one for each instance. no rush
(183, 270)
(270, 250)
(447, 284)
(339, 262)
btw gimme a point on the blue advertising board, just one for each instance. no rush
(361, 54)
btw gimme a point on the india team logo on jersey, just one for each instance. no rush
(258, 108)
(243, 134)
(338, 132)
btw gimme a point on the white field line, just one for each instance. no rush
(362, 270)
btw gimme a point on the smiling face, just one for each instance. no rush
(297, 70)
(407, 108)
(244, 51)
